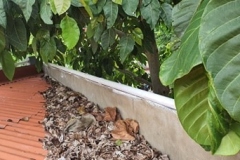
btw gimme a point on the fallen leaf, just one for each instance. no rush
(121, 131)
(110, 114)
(132, 126)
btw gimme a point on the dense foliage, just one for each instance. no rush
(205, 72)
(107, 38)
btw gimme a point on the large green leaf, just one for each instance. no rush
(108, 38)
(17, 34)
(45, 12)
(230, 144)
(3, 20)
(166, 14)
(76, 3)
(218, 119)
(2, 40)
(151, 13)
(220, 50)
(182, 14)
(48, 49)
(126, 47)
(62, 6)
(110, 11)
(70, 31)
(26, 7)
(7, 63)
(130, 7)
(191, 99)
(183, 60)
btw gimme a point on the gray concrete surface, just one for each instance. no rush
(156, 114)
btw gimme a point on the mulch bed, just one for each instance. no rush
(79, 130)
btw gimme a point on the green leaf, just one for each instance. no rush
(2, 40)
(166, 14)
(183, 60)
(98, 7)
(25, 6)
(3, 20)
(7, 63)
(182, 14)
(76, 3)
(62, 6)
(108, 38)
(230, 145)
(70, 31)
(17, 34)
(126, 47)
(218, 119)
(117, 2)
(45, 12)
(130, 7)
(52, 5)
(110, 11)
(151, 13)
(219, 46)
(48, 49)
(137, 35)
(90, 31)
(191, 99)
(98, 32)
(87, 8)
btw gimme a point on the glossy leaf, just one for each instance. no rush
(130, 7)
(137, 35)
(182, 14)
(25, 6)
(48, 49)
(166, 14)
(17, 34)
(110, 11)
(3, 20)
(220, 50)
(151, 13)
(45, 12)
(2, 40)
(108, 38)
(117, 2)
(7, 63)
(62, 6)
(70, 31)
(52, 5)
(126, 47)
(183, 60)
(191, 99)
(230, 144)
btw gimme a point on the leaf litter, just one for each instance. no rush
(78, 129)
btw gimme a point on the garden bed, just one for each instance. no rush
(79, 129)
(155, 114)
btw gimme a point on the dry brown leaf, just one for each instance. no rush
(132, 126)
(121, 131)
(110, 114)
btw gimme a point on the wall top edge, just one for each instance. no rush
(149, 96)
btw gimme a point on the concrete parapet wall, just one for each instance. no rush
(156, 114)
